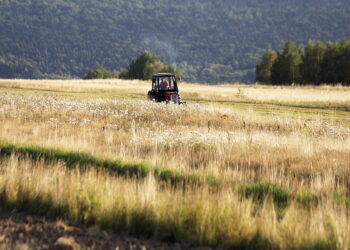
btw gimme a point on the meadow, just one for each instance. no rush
(239, 166)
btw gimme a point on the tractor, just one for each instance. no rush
(164, 89)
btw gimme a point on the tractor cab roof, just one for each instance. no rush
(163, 75)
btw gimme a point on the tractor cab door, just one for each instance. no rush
(154, 84)
(175, 84)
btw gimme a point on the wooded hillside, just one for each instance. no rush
(209, 41)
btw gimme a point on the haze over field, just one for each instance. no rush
(209, 41)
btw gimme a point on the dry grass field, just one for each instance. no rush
(239, 166)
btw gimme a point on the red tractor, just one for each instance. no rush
(164, 89)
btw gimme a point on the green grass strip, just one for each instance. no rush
(74, 159)
(281, 197)
(258, 191)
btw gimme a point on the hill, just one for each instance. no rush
(209, 41)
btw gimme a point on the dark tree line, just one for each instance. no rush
(317, 63)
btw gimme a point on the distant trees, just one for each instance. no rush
(100, 73)
(144, 67)
(316, 63)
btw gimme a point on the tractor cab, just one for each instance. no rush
(164, 89)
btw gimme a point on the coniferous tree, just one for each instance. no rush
(277, 76)
(331, 64)
(345, 62)
(263, 70)
(286, 69)
(311, 65)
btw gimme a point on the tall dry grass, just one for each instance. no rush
(222, 142)
(301, 161)
(321, 95)
(148, 208)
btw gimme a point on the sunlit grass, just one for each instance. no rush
(148, 208)
(276, 158)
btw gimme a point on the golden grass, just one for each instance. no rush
(149, 209)
(305, 154)
(216, 141)
(284, 94)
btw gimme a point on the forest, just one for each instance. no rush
(316, 63)
(208, 41)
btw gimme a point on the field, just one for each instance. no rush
(239, 166)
